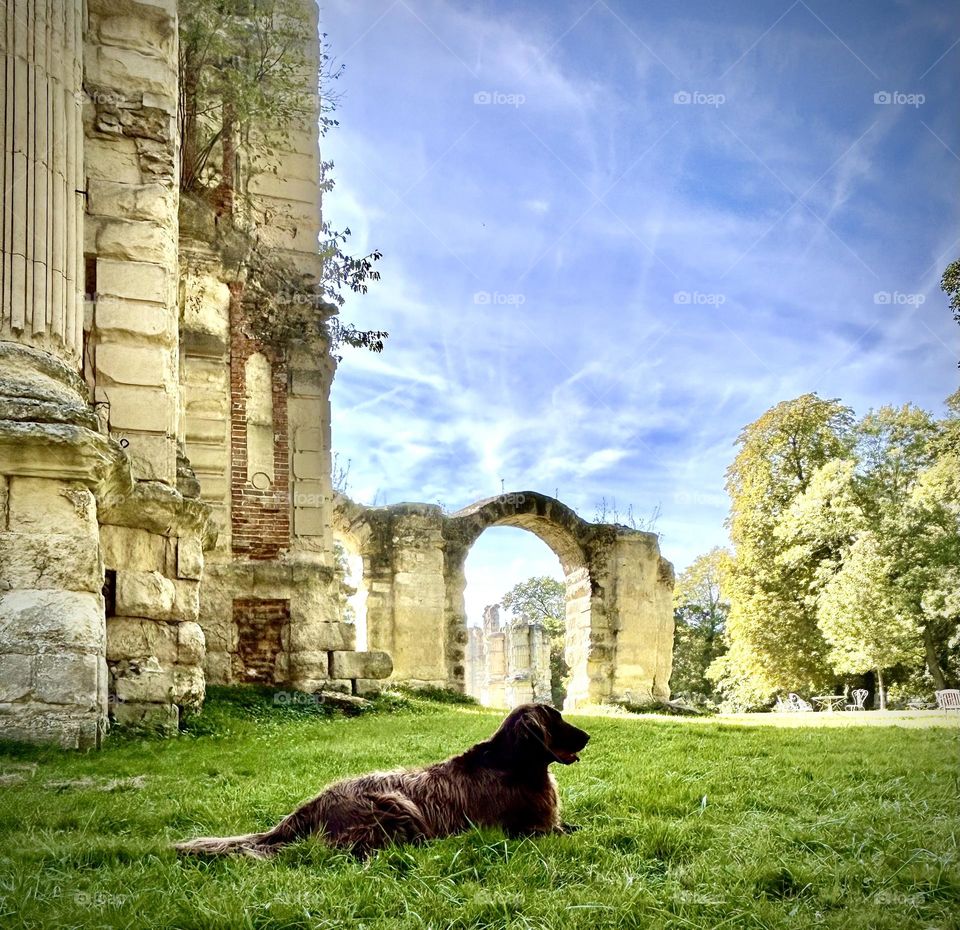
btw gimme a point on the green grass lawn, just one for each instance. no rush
(685, 825)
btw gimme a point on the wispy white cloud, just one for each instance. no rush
(592, 289)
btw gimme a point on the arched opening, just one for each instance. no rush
(519, 603)
(258, 394)
(352, 586)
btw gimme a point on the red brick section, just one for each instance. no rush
(261, 625)
(259, 520)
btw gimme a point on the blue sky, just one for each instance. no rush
(615, 233)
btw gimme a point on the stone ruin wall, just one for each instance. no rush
(165, 499)
(507, 663)
(619, 641)
(112, 379)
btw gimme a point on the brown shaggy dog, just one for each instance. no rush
(501, 782)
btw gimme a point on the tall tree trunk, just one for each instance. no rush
(933, 661)
(880, 691)
(188, 140)
(228, 174)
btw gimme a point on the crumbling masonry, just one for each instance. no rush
(507, 663)
(166, 509)
(619, 619)
(140, 424)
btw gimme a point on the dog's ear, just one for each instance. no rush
(522, 734)
(535, 727)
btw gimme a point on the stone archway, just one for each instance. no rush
(619, 592)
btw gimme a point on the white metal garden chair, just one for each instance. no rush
(859, 697)
(948, 699)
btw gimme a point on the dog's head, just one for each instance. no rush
(537, 732)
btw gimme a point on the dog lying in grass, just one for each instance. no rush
(501, 782)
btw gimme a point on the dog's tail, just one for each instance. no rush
(250, 844)
(305, 820)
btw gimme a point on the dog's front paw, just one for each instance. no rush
(569, 828)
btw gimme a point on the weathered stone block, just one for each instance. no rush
(340, 685)
(189, 557)
(309, 521)
(37, 505)
(127, 548)
(134, 713)
(309, 465)
(15, 677)
(126, 68)
(132, 201)
(130, 32)
(132, 240)
(145, 594)
(114, 315)
(310, 665)
(139, 281)
(186, 601)
(67, 678)
(207, 306)
(361, 665)
(189, 688)
(322, 636)
(191, 644)
(143, 365)
(139, 408)
(33, 621)
(366, 686)
(143, 681)
(55, 560)
(138, 638)
(307, 382)
(217, 668)
(114, 159)
(152, 457)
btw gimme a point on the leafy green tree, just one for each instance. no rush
(950, 285)
(882, 531)
(700, 615)
(543, 600)
(772, 632)
(248, 72)
(864, 617)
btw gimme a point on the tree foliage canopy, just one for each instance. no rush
(249, 75)
(700, 612)
(847, 543)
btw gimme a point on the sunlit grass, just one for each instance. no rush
(685, 825)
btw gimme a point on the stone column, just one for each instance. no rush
(53, 683)
(42, 177)
(643, 593)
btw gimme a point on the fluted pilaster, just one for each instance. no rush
(42, 176)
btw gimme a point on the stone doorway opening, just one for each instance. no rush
(515, 646)
(352, 585)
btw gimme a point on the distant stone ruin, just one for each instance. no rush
(619, 616)
(507, 663)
